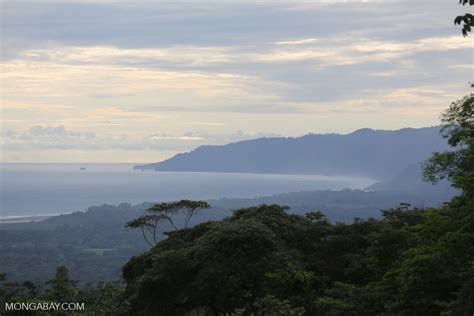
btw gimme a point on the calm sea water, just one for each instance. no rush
(32, 189)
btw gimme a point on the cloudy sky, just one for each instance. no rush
(131, 81)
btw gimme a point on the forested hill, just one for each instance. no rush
(372, 153)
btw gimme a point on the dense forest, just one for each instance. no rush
(95, 244)
(262, 260)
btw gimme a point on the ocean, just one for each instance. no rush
(43, 189)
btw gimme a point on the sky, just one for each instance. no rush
(139, 81)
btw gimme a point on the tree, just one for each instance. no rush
(467, 19)
(270, 305)
(62, 288)
(456, 165)
(8, 290)
(104, 299)
(241, 264)
(100, 299)
(166, 212)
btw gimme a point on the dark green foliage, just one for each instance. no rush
(467, 19)
(270, 305)
(412, 262)
(104, 299)
(225, 266)
(101, 299)
(61, 287)
(93, 245)
(456, 165)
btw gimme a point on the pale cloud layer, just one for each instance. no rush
(140, 81)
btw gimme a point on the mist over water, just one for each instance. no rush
(32, 189)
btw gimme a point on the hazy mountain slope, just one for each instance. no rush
(410, 179)
(365, 152)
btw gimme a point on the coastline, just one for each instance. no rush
(13, 219)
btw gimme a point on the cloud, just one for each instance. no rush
(185, 56)
(329, 51)
(345, 51)
(206, 123)
(165, 77)
(54, 80)
(226, 79)
(44, 138)
(56, 131)
(219, 24)
(298, 41)
(164, 136)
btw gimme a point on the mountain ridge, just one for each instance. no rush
(369, 151)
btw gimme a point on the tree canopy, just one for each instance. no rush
(456, 165)
(262, 259)
(168, 212)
